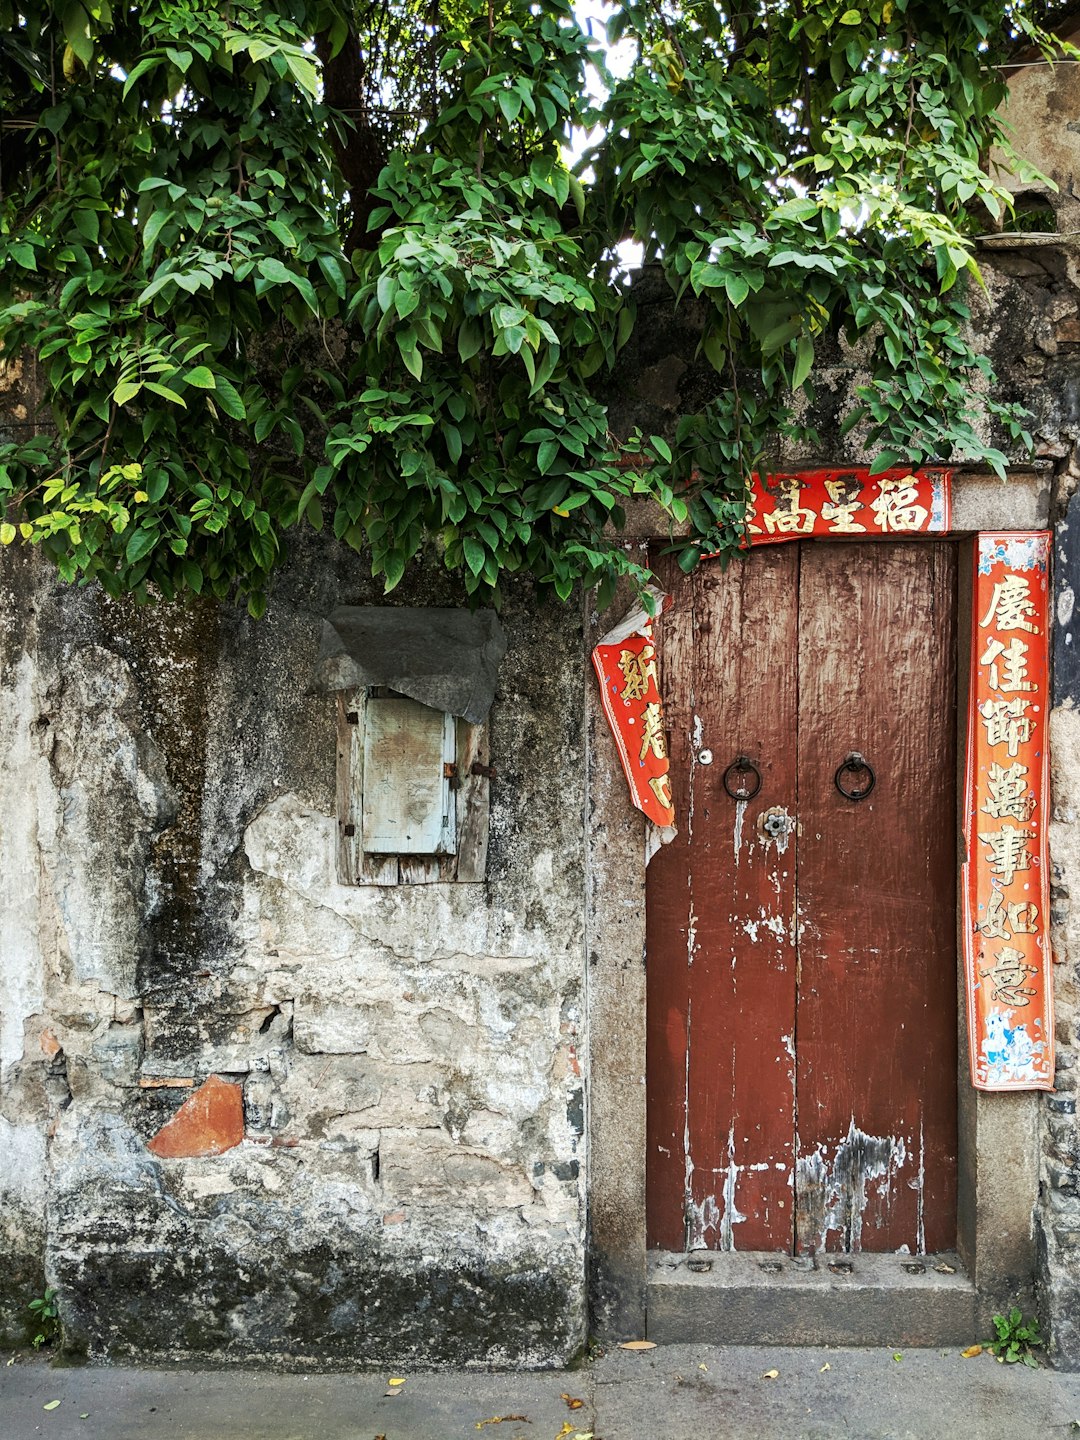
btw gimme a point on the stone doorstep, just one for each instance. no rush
(756, 1298)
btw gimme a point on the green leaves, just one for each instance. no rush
(142, 541)
(804, 361)
(219, 369)
(228, 398)
(1015, 1338)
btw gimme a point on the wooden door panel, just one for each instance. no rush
(720, 915)
(876, 1027)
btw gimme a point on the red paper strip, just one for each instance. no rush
(625, 664)
(1005, 882)
(848, 504)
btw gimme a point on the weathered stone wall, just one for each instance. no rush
(410, 1179)
(407, 1094)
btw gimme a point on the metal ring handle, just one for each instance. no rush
(741, 765)
(855, 762)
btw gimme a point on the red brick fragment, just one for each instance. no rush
(208, 1123)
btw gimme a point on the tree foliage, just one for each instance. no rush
(325, 263)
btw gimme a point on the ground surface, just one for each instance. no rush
(672, 1393)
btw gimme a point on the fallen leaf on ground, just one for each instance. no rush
(502, 1419)
(571, 1403)
(898, 1357)
(824, 1367)
(771, 1375)
(637, 1345)
(50, 1405)
(567, 1429)
(395, 1382)
(944, 1269)
(704, 1367)
(85, 1415)
(971, 1352)
(387, 1393)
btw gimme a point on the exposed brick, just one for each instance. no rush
(50, 1045)
(209, 1122)
(166, 1082)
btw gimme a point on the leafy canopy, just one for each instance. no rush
(325, 263)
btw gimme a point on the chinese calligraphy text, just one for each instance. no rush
(625, 664)
(848, 504)
(1005, 884)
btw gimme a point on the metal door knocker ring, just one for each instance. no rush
(741, 766)
(855, 763)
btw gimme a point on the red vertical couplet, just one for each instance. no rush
(625, 665)
(1006, 874)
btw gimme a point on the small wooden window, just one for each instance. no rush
(412, 791)
(409, 762)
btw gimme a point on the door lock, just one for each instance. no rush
(776, 824)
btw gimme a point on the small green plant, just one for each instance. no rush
(46, 1318)
(1015, 1338)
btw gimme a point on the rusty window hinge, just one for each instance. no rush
(488, 771)
(350, 830)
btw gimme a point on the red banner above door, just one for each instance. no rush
(848, 504)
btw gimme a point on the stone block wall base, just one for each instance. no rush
(755, 1299)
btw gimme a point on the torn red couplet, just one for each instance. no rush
(625, 665)
(1006, 880)
(848, 504)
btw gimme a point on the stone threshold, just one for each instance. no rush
(711, 1297)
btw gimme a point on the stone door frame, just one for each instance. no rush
(998, 1162)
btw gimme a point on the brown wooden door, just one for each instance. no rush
(801, 945)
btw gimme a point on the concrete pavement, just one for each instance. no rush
(674, 1392)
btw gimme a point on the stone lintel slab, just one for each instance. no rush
(762, 1299)
(980, 501)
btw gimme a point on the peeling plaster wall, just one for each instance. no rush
(408, 1183)
(411, 1178)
